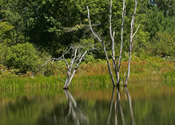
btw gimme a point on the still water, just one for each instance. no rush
(149, 104)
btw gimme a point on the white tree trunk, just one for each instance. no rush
(71, 70)
(130, 42)
(104, 48)
(121, 46)
(116, 68)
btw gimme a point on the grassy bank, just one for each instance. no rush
(94, 73)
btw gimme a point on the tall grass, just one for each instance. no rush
(169, 78)
(28, 82)
(94, 74)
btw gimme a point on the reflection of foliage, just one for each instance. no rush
(51, 107)
(22, 111)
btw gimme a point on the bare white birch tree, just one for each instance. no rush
(116, 66)
(131, 42)
(77, 54)
(73, 65)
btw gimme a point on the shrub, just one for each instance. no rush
(163, 44)
(23, 57)
(3, 53)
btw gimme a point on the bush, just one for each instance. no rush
(163, 44)
(3, 53)
(23, 57)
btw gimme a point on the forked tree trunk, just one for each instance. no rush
(69, 79)
(116, 67)
(104, 47)
(72, 67)
(131, 42)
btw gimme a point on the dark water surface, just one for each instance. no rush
(149, 104)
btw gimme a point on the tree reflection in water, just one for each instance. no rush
(67, 113)
(118, 107)
(74, 112)
(70, 113)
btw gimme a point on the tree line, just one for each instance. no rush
(32, 30)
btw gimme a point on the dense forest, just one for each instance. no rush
(33, 31)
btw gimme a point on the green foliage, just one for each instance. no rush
(3, 53)
(4, 27)
(163, 44)
(169, 75)
(23, 57)
(52, 25)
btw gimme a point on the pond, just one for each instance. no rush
(139, 104)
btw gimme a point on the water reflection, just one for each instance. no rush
(90, 107)
(74, 111)
(63, 113)
(118, 107)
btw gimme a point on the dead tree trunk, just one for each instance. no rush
(78, 53)
(116, 66)
(131, 42)
(104, 47)
(73, 66)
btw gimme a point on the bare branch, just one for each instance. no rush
(112, 57)
(61, 79)
(75, 55)
(56, 59)
(71, 70)
(130, 42)
(66, 62)
(91, 26)
(80, 60)
(112, 35)
(121, 45)
(78, 57)
(109, 67)
(46, 62)
(123, 78)
(136, 31)
(77, 27)
(104, 48)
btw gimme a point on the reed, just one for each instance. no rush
(94, 74)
